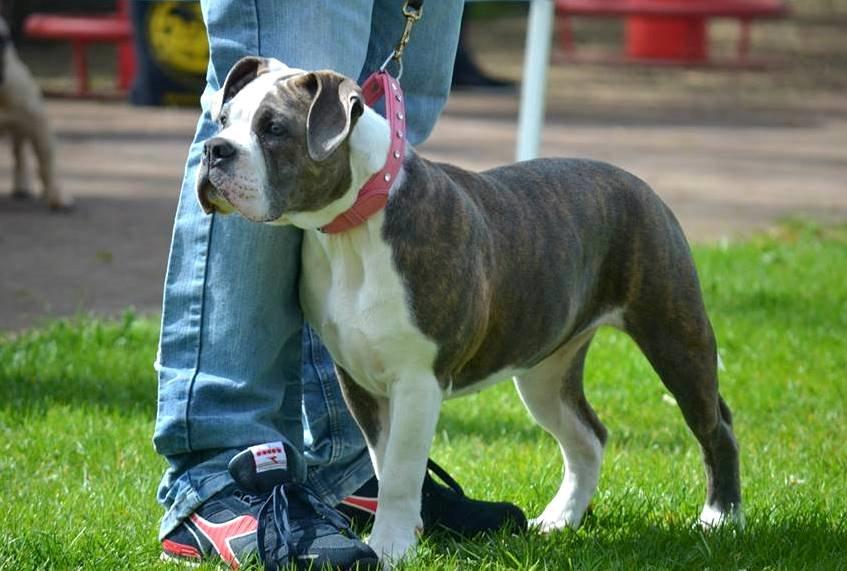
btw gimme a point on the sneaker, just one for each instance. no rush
(224, 526)
(285, 524)
(442, 506)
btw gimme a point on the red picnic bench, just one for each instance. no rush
(669, 31)
(81, 30)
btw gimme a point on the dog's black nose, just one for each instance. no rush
(218, 150)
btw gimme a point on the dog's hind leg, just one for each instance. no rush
(678, 341)
(552, 392)
(43, 145)
(22, 183)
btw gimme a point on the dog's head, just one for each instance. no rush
(283, 152)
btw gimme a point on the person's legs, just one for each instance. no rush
(338, 458)
(229, 355)
(337, 454)
(427, 62)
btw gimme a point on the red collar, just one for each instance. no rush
(374, 194)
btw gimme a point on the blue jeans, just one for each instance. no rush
(236, 366)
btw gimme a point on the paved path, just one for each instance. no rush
(726, 154)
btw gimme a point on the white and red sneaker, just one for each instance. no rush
(276, 523)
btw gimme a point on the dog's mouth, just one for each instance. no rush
(211, 198)
(219, 192)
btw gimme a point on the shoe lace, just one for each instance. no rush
(331, 516)
(275, 510)
(248, 498)
(444, 477)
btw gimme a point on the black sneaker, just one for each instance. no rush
(445, 507)
(275, 524)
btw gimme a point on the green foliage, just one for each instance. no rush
(78, 473)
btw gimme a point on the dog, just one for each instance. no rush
(465, 279)
(23, 115)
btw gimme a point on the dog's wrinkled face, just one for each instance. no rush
(282, 148)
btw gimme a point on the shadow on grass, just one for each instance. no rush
(80, 362)
(666, 432)
(633, 541)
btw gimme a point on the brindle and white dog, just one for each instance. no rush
(465, 279)
(22, 114)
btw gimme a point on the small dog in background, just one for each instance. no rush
(22, 114)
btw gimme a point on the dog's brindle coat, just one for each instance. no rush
(464, 279)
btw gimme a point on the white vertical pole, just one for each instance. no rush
(539, 37)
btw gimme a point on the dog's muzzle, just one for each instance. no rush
(217, 153)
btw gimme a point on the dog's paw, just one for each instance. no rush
(544, 524)
(22, 193)
(558, 516)
(60, 202)
(713, 517)
(392, 548)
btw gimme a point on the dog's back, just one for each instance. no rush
(570, 228)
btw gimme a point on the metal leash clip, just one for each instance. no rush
(412, 11)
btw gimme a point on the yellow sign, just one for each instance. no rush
(177, 37)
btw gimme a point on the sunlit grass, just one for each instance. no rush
(78, 473)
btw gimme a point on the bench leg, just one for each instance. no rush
(126, 65)
(744, 40)
(80, 65)
(564, 31)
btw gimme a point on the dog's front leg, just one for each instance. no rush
(414, 404)
(22, 187)
(371, 414)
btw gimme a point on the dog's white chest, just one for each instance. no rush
(354, 298)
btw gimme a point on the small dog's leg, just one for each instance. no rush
(552, 392)
(43, 145)
(414, 406)
(22, 184)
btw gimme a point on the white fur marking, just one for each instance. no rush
(355, 298)
(276, 70)
(712, 517)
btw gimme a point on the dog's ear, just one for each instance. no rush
(243, 72)
(336, 104)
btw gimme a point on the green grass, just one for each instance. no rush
(78, 473)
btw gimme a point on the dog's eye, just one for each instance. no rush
(275, 129)
(222, 120)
